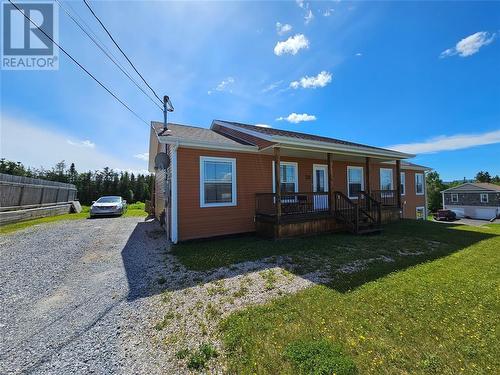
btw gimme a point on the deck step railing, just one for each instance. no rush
(387, 198)
(357, 215)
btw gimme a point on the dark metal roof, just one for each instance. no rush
(297, 135)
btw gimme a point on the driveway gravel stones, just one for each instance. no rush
(106, 296)
(74, 294)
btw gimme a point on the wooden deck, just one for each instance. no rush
(302, 214)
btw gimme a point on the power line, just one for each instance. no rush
(107, 53)
(123, 53)
(80, 65)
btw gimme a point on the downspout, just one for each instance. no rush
(173, 208)
(425, 191)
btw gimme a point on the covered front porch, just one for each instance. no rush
(347, 192)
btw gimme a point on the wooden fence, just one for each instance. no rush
(17, 193)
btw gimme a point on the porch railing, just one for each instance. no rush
(388, 198)
(291, 203)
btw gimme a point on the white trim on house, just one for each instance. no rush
(381, 170)
(402, 180)
(423, 183)
(454, 200)
(481, 198)
(233, 202)
(206, 145)
(349, 167)
(173, 206)
(296, 184)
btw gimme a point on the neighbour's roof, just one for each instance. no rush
(291, 134)
(193, 133)
(475, 186)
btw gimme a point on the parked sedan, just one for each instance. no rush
(106, 206)
(446, 215)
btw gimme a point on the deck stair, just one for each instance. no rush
(361, 217)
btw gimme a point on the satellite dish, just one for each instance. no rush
(162, 161)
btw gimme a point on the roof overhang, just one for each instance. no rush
(171, 140)
(321, 146)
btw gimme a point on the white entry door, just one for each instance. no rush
(320, 185)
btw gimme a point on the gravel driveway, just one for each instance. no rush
(72, 297)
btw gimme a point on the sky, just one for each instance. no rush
(420, 77)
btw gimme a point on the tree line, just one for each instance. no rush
(91, 184)
(435, 186)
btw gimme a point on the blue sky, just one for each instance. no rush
(423, 76)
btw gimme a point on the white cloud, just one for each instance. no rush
(292, 45)
(309, 16)
(86, 143)
(263, 126)
(300, 3)
(44, 147)
(449, 143)
(282, 29)
(359, 54)
(223, 85)
(271, 86)
(470, 45)
(295, 118)
(321, 80)
(144, 156)
(328, 12)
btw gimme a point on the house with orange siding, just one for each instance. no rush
(237, 178)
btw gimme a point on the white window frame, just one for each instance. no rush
(402, 180)
(416, 183)
(481, 198)
(296, 183)
(392, 177)
(233, 202)
(454, 200)
(349, 167)
(416, 212)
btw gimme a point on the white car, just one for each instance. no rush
(109, 205)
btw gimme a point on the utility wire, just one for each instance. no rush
(123, 53)
(80, 65)
(107, 53)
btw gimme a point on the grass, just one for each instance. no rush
(198, 359)
(134, 210)
(435, 312)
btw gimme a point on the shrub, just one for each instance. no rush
(319, 357)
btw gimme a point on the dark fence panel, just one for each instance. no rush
(19, 192)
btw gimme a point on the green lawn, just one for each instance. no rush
(433, 312)
(134, 209)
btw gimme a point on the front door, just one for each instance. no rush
(320, 185)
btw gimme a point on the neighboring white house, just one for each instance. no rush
(475, 200)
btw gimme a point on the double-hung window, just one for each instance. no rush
(419, 184)
(484, 197)
(403, 183)
(454, 198)
(289, 180)
(217, 182)
(355, 182)
(386, 179)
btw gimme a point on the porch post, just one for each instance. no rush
(331, 203)
(277, 182)
(398, 183)
(368, 187)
